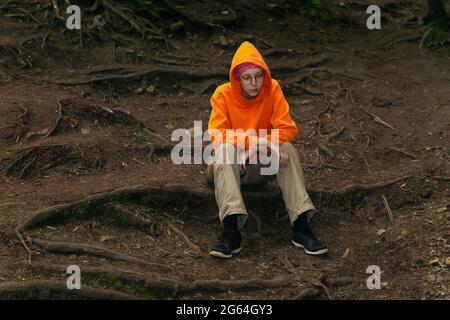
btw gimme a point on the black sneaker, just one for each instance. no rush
(307, 240)
(229, 243)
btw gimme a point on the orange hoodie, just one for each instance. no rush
(269, 110)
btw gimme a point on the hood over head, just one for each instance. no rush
(247, 53)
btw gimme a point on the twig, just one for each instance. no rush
(403, 39)
(196, 248)
(56, 123)
(30, 15)
(365, 187)
(424, 37)
(388, 209)
(334, 135)
(11, 204)
(378, 119)
(404, 152)
(56, 8)
(44, 41)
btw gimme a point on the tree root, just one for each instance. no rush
(43, 157)
(49, 213)
(19, 126)
(44, 287)
(132, 74)
(91, 250)
(121, 212)
(174, 286)
(365, 187)
(153, 148)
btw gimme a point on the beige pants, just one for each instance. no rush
(227, 180)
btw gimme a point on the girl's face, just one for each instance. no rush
(251, 82)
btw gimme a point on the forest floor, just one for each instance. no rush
(61, 143)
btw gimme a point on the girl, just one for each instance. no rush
(253, 100)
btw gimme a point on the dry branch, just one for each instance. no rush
(91, 250)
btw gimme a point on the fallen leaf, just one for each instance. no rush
(346, 253)
(433, 262)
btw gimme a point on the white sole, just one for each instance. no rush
(315, 253)
(219, 254)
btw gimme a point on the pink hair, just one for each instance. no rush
(242, 67)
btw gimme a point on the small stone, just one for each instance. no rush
(85, 131)
(139, 90)
(381, 232)
(150, 89)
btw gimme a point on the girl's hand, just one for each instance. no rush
(284, 159)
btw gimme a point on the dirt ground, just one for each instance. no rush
(61, 142)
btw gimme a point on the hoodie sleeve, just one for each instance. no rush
(219, 122)
(281, 119)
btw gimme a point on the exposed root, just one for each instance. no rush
(153, 149)
(128, 218)
(46, 214)
(365, 187)
(53, 212)
(16, 130)
(45, 289)
(39, 158)
(154, 71)
(96, 251)
(174, 286)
